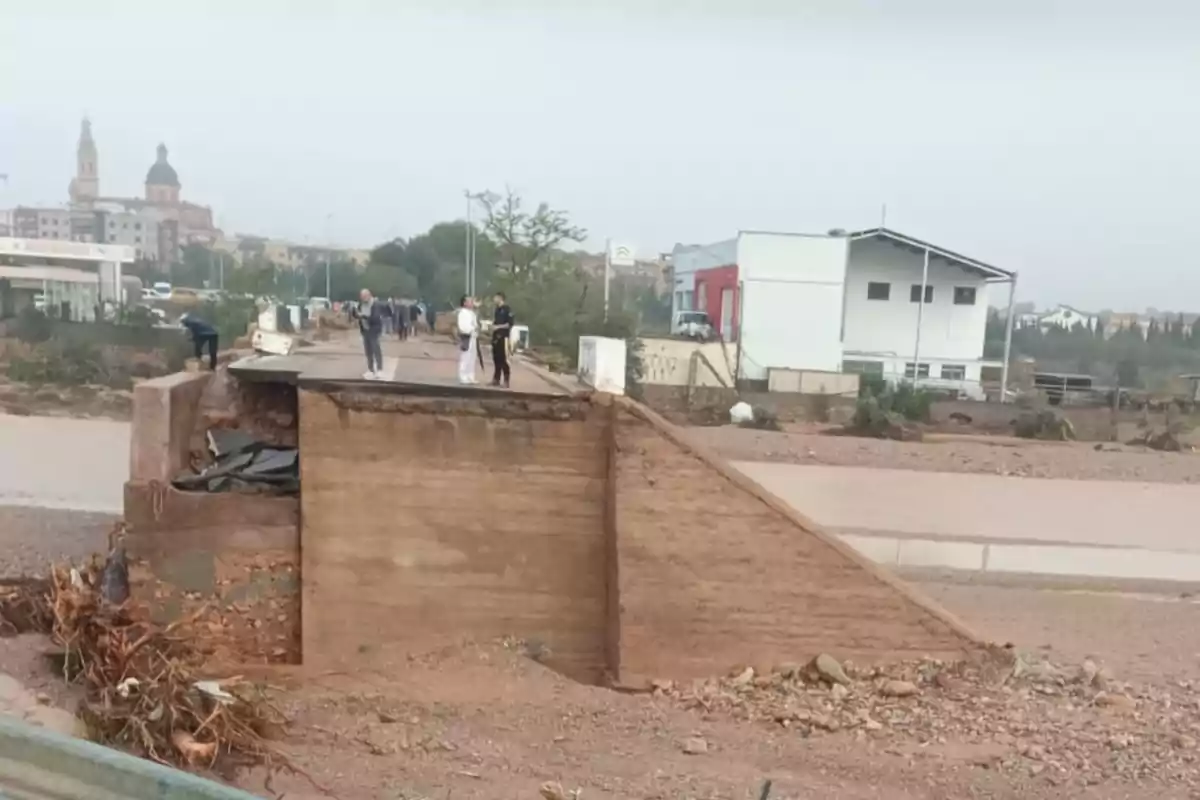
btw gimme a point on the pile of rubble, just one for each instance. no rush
(1076, 725)
(146, 688)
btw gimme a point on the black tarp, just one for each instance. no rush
(242, 463)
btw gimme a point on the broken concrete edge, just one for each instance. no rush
(746, 484)
(567, 384)
(35, 762)
(164, 416)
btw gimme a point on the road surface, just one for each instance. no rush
(63, 463)
(1157, 516)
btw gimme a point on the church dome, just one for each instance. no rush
(161, 173)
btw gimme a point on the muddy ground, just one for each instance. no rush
(982, 454)
(483, 721)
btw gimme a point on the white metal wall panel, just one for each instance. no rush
(792, 295)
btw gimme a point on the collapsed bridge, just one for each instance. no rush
(430, 513)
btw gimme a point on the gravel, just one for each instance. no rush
(33, 538)
(986, 455)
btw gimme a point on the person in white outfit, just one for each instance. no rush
(467, 328)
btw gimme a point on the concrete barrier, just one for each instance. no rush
(992, 557)
(36, 764)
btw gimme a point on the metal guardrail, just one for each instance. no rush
(38, 764)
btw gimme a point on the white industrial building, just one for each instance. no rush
(845, 303)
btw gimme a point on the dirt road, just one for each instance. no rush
(71, 464)
(479, 722)
(1072, 461)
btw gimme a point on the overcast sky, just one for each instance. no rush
(1055, 138)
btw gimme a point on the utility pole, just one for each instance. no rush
(468, 246)
(328, 291)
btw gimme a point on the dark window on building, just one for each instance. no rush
(964, 295)
(923, 372)
(863, 367)
(879, 291)
(954, 372)
(137, 226)
(914, 294)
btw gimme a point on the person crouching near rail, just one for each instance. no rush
(370, 313)
(203, 335)
(467, 328)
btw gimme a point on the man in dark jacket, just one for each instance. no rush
(203, 335)
(502, 322)
(370, 313)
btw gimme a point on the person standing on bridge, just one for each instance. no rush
(467, 328)
(370, 313)
(502, 322)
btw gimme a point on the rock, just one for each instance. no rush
(1088, 671)
(1183, 742)
(829, 669)
(743, 678)
(695, 746)
(661, 685)
(896, 688)
(1115, 701)
(838, 692)
(788, 669)
(387, 719)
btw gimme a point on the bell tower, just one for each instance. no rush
(86, 185)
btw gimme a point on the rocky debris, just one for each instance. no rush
(1065, 725)
(695, 746)
(1167, 441)
(1046, 425)
(829, 669)
(870, 419)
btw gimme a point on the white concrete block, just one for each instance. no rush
(880, 549)
(602, 364)
(1095, 562)
(941, 554)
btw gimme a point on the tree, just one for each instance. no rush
(386, 280)
(524, 239)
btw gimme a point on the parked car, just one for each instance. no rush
(693, 325)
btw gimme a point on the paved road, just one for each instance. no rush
(1156, 516)
(62, 463)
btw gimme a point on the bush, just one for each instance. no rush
(67, 364)
(904, 399)
(871, 418)
(33, 326)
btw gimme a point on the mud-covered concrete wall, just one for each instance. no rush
(714, 572)
(236, 557)
(428, 519)
(233, 559)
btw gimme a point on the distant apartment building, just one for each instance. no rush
(246, 249)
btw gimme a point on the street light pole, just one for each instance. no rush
(467, 246)
(328, 291)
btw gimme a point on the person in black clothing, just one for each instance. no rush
(203, 335)
(370, 314)
(502, 322)
(401, 320)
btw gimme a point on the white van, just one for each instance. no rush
(692, 324)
